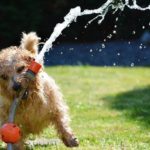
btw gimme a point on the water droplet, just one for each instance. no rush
(129, 42)
(143, 27)
(114, 64)
(117, 19)
(133, 32)
(114, 31)
(103, 45)
(100, 50)
(118, 54)
(104, 40)
(109, 36)
(115, 26)
(140, 47)
(91, 50)
(75, 38)
(132, 64)
(61, 53)
(71, 49)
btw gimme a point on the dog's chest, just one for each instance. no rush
(31, 115)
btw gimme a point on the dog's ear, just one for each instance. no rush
(30, 42)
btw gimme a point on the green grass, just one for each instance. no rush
(109, 107)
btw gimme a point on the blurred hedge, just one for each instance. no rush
(17, 16)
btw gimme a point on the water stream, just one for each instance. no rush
(115, 5)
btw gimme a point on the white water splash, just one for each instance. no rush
(76, 12)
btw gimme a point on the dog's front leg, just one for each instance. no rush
(60, 119)
(61, 124)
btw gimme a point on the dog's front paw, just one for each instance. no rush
(71, 142)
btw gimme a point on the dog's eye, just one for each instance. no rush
(20, 69)
(4, 77)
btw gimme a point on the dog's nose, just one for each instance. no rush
(16, 86)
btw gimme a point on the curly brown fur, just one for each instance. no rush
(44, 105)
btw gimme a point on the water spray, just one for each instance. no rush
(10, 132)
(76, 12)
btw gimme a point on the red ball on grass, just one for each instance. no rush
(10, 133)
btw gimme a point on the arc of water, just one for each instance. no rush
(68, 19)
(76, 12)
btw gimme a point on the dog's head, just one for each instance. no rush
(14, 62)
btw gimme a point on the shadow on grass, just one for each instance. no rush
(135, 104)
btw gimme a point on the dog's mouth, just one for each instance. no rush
(21, 92)
(20, 87)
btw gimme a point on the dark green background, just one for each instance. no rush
(41, 16)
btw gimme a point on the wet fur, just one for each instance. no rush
(44, 105)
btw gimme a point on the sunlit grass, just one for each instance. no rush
(109, 107)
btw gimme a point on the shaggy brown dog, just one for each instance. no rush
(44, 103)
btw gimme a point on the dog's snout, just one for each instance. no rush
(16, 86)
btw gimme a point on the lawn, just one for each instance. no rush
(109, 107)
